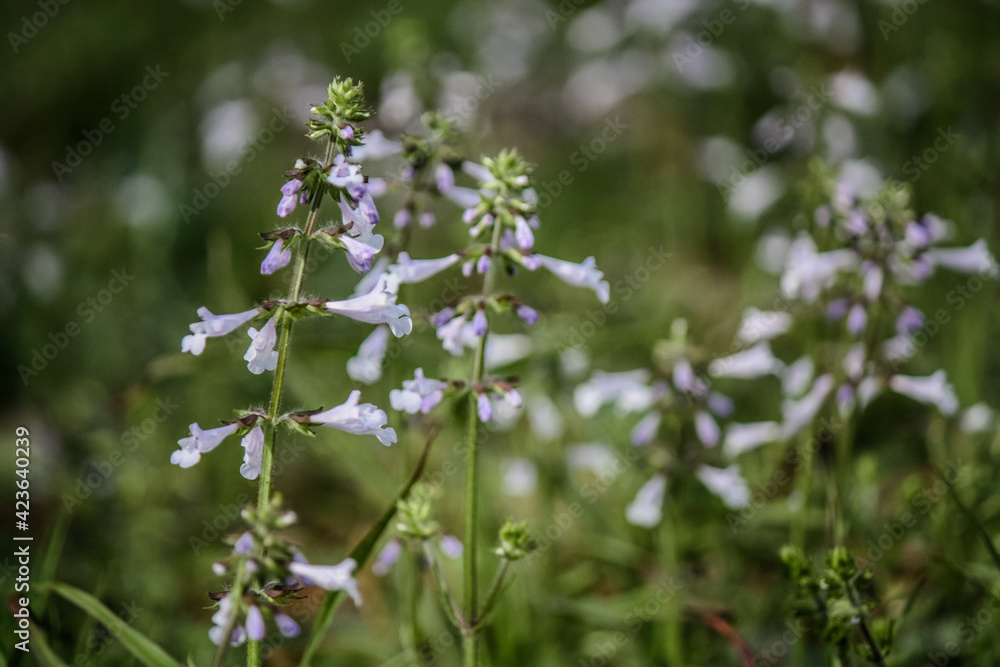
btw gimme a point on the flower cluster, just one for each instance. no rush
(259, 554)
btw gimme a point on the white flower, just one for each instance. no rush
(977, 419)
(375, 147)
(585, 274)
(706, 428)
(544, 418)
(377, 307)
(213, 326)
(758, 325)
(418, 395)
(933, 389)
(647, 508)
(366, 366)
(727, 483)
(261, 355)
(200, 442)
(503, 349)
(344, 173)
(363, 419)
(797, 377)
(645, 430)
(464, 197)
(277, 258)
(387, 557)
(752, 363)
(976, 258)
(409, 270)
(370, 279)
(799, 414)
(329, 577)
(359, 255)
(361, 226)
(221, 619)
(629, 391)
(744, 437)
(456, 335)
(595, 457)
(807, 272)
(520, 477)
(451, 546)
(253, 443)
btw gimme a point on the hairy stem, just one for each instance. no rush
(470, 642)
(284, 344)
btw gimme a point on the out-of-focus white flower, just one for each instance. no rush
(585, 274)
(596, 457)
(644, 431)
(799, 414)
(976, 258)
(646, 510)
(520, 477)
(629, 391)
(977, 419)
(366, 365)
(933, 390)
(757, 325)
(745, 437)
(706, 428)
(544, 418)
(417, 270)
(753, 363)
(387, 557)
(727, 483)
(797, 377)
(808, 272)
(375, 147)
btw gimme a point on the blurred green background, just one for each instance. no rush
(93, 183)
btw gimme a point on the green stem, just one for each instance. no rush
(447, 599)
(863, 623)
(284, 344)
(470, 641)
(494, 595)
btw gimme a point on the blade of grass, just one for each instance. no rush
(143, 648)
(40, 647)
(332, 600)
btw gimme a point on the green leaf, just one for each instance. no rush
(134, 641)
(332, 600)
(40, 647)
